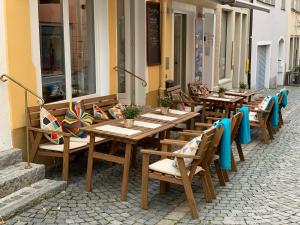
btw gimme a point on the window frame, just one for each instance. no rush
(101, 43)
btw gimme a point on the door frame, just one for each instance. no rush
(190, 11)
(5, 134)
(281, 57)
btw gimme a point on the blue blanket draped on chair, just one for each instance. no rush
(275, 112)
(244, 130)
(284, 92)
(225, 148)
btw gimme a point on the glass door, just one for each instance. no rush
(124, 50)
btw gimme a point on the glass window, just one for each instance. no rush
(52, 50)
(82, 76)
(121, 45)
(223, 50)
(82, 47)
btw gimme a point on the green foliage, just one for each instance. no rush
(297, 69)
(243, 86)
(166, 102)
(131, 112)
(222, 90)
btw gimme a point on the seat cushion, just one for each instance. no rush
(215, 157)
(86, 139)
(253, 116)
(198, 108)
(167, 166)
(60, 148)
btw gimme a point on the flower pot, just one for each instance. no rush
(128, 123)
(221, 95)
(164, 110)
(242, 90)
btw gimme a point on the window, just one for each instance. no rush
(269, 2)
(283, 4)
(223, 50)
(67, 73)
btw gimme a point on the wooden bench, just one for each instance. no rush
(39, 145)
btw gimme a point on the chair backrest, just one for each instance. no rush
(207, 141)
(104, 102)
(178, 96)
(58, 110)
(235, 125)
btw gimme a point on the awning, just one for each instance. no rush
(243, 4)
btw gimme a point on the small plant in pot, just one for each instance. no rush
(165, 104)
(221, 92)
(130, 113)
(243, 87)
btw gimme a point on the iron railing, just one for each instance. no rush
(144, 83)
(5, 78)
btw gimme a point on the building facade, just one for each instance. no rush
(269, 41)
(293, 8)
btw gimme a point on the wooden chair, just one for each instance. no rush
(39, 145)
(164, 170)
(261, 119)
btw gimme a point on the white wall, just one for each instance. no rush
(269, 28)
(5, 131)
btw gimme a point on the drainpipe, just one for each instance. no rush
(250, 47)
(163, 73)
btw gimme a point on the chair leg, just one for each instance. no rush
(210, 184)
(190, 197)
(233, 164)
(270, 129)
(264, 134)
(219, 173)
(206, 189)
(145, 177)
(280, 119)
(240, 151)
(164, 187)
(66, 157)
(225, 175)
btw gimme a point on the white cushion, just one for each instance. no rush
(86, 140)
(253, 116)
(198, 108)
(60, 148)
(166, 166)
(215, 157)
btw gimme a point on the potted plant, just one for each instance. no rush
(221, 92)
(243, 87)
(130, 113)
(165, 104)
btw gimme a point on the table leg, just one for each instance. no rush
(90, 163)
(126, 172)
(203, 112)
(227, 111)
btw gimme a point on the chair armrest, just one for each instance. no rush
(190, 133)
(204, 125)
(168, 154)
(173, 142)
(39, 130)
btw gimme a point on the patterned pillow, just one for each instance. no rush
(116, 111)
(99, 113)
(188, 149)
(49, 122)
(265, 103)
(75, 119)
(199, 89)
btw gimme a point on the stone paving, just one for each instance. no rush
(265, 190)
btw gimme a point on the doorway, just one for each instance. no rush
(281, 62)
(261, 67)
(180, 27)
(125, 56)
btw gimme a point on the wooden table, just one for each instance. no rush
(247, 95)
(113, 130)
(228, 102)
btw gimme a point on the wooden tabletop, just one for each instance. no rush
(106, 129)
(245, 94)
(214, 97)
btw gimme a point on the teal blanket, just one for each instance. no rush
(225, 147)
(244, 136)
(284, 99)
(275, 112)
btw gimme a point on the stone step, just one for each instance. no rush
(15, 177)
(10, 157)
(29, 196)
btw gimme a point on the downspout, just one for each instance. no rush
(250, 47)
(163, 74)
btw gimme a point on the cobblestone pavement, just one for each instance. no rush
(265, 190)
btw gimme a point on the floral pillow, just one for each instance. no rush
(75, 119)
(265, 103)
(188, 149)
(99, 113)
(51, 123)
(116, 111)
(199, 89)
